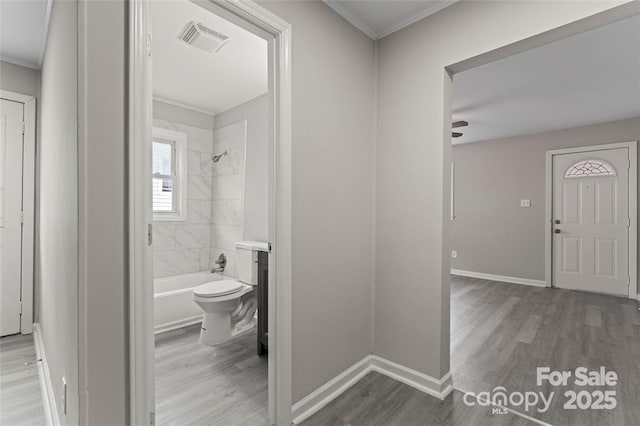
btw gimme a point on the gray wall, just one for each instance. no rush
(184, 247)
(256, 176)
(412, 176)
(58, 202)
(176, 114)
(333, 142)
(16, 78)
(491, 232)
(103, 212)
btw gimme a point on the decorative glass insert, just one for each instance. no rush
(587, 168)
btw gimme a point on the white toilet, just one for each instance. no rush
(229, 305)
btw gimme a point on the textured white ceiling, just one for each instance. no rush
(588, 78)
(211, 82)
(379, 18)
(23, 29)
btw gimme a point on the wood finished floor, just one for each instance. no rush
(20, 395)
(203, 385)
(500, 334)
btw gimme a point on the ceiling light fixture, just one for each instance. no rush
(457, 124)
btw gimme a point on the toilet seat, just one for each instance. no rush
(218, 288)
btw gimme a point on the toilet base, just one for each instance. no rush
(215, 329)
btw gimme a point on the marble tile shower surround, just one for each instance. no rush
(227, 205)
(185, 247)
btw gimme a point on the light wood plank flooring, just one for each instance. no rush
(500, 334)
(203, 385)
(20, 394)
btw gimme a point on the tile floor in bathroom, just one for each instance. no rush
(204, 385)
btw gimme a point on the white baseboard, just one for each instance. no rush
(500, 278)
(316, 400)
(439, 388)
(177, 324)
(46, 387)
(326, 393)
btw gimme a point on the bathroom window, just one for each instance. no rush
(169, 183)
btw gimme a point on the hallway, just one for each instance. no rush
(20, 395)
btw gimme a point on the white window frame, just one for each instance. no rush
(179, 140)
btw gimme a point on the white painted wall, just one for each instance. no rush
(256, 175)
(58, 203)
(413, 152)
(333, 112)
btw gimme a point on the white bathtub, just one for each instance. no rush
(174, 307)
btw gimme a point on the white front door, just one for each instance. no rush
(11, 146)
(591, 221)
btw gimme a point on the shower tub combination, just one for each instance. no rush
(174, 305)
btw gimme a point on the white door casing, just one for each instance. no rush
(11, 143)
(277, 32)
(591, 219)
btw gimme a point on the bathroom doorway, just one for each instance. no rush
(212, 276)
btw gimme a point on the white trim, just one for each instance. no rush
(278, 34)
(19, 62)
(141, 314)
(181, 148)
(351, 18)
(499, 278)
(28, 206)
(632, 146)
(433, 8)
(354, 20)
(46, 388)
(316, 400)
(47, 21)
(174, 325)
(438, 388)
(326, 393)
(183, 105)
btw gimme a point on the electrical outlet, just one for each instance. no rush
(454, 254)
(64, 396)
(525, 203)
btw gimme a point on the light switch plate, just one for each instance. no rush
(525, 203)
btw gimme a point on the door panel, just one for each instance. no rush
(606, 253)
(11, 139)
(571, 254)
(591, 203)
(606, 202)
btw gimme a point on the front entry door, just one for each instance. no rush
(11, 145)
(591, 221)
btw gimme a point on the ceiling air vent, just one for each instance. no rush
(197, 35)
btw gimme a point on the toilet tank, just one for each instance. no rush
(247, 260)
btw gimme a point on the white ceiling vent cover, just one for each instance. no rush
(197, 35)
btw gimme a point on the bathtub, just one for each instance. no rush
(174, 307)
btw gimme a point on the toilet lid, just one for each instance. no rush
(218, 288)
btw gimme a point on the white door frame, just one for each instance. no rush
(141, 341)
(28, 206)
(633, 209)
